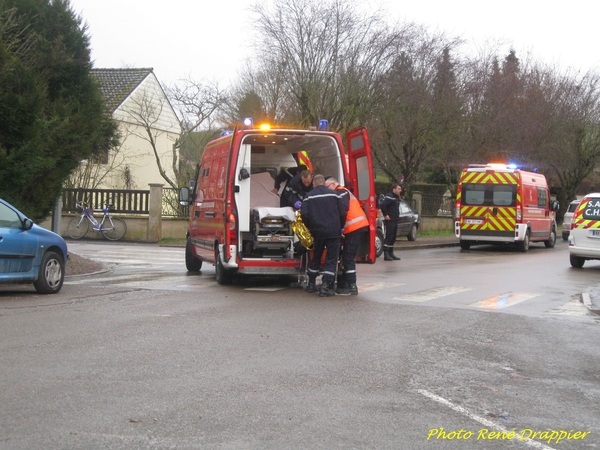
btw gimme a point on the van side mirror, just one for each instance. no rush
(244, 174)
(184, 196)
(554, 205)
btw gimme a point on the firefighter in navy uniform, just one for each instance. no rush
(296, 189)
(324, 213)
(355, 227)
(390, 210)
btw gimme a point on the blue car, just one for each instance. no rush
(29, 253)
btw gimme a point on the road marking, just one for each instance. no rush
(504, 300)
(483, 421)
(431, 294)
(376, 286)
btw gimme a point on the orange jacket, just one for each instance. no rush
(356, 217)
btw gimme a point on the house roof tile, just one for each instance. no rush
(118, 84)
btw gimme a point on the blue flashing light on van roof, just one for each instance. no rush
(226, 133)
(511, 166)
(248, 122)
(323, 125)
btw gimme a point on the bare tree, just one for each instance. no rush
(572, 148)
(318, 59)
(199, 105)
(409, 119)
(144, 112)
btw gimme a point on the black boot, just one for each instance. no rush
(394, 257)
(311, 287)
(326, 290)
(351, 289)
(387, 256)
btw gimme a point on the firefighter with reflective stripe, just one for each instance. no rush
(390, 209)
(286, 174)
(355, 227)
(324, 213)
(297, 188)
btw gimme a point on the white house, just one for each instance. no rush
(148, 126)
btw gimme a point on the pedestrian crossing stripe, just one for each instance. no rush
(432, 294)
(504, 300)
(366, 287)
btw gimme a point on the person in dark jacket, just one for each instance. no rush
(297, 188)
(286, 174)
(390, 210)
(324, 213)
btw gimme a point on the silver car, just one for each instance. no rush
(566, 225)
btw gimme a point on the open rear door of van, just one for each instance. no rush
(362, 179)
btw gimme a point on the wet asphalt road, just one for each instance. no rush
(148, 356)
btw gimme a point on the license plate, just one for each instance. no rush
(595, 232)
(474, 221)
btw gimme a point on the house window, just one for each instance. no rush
(100, 159)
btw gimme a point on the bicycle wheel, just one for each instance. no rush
(78, 227)
(114, 229)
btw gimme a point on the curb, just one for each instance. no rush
(587, 301)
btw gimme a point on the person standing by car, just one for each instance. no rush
(355, 227)
(324, 213)
(390, 209)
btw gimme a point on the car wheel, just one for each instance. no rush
(576, 261)
(565, 236)
(550, 243)
(223, 275)
(51, 274)
(192, 264)
(412, 236)
(524, 244)
(465, 245)
(379, 239)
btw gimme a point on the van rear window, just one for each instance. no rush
(591, 210)
(489, 194)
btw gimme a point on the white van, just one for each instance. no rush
(584, 240)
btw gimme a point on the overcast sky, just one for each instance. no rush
(207, 39)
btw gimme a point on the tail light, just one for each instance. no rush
(457, 210)
(519, 213)
(232, 224)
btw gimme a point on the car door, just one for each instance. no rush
(360, 168)
(17, 246)
(405, 219)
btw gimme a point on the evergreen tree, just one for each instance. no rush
(52, 114)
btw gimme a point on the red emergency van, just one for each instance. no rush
(236, 222)
(498, 203)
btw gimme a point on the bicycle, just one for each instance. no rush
(113, 228)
